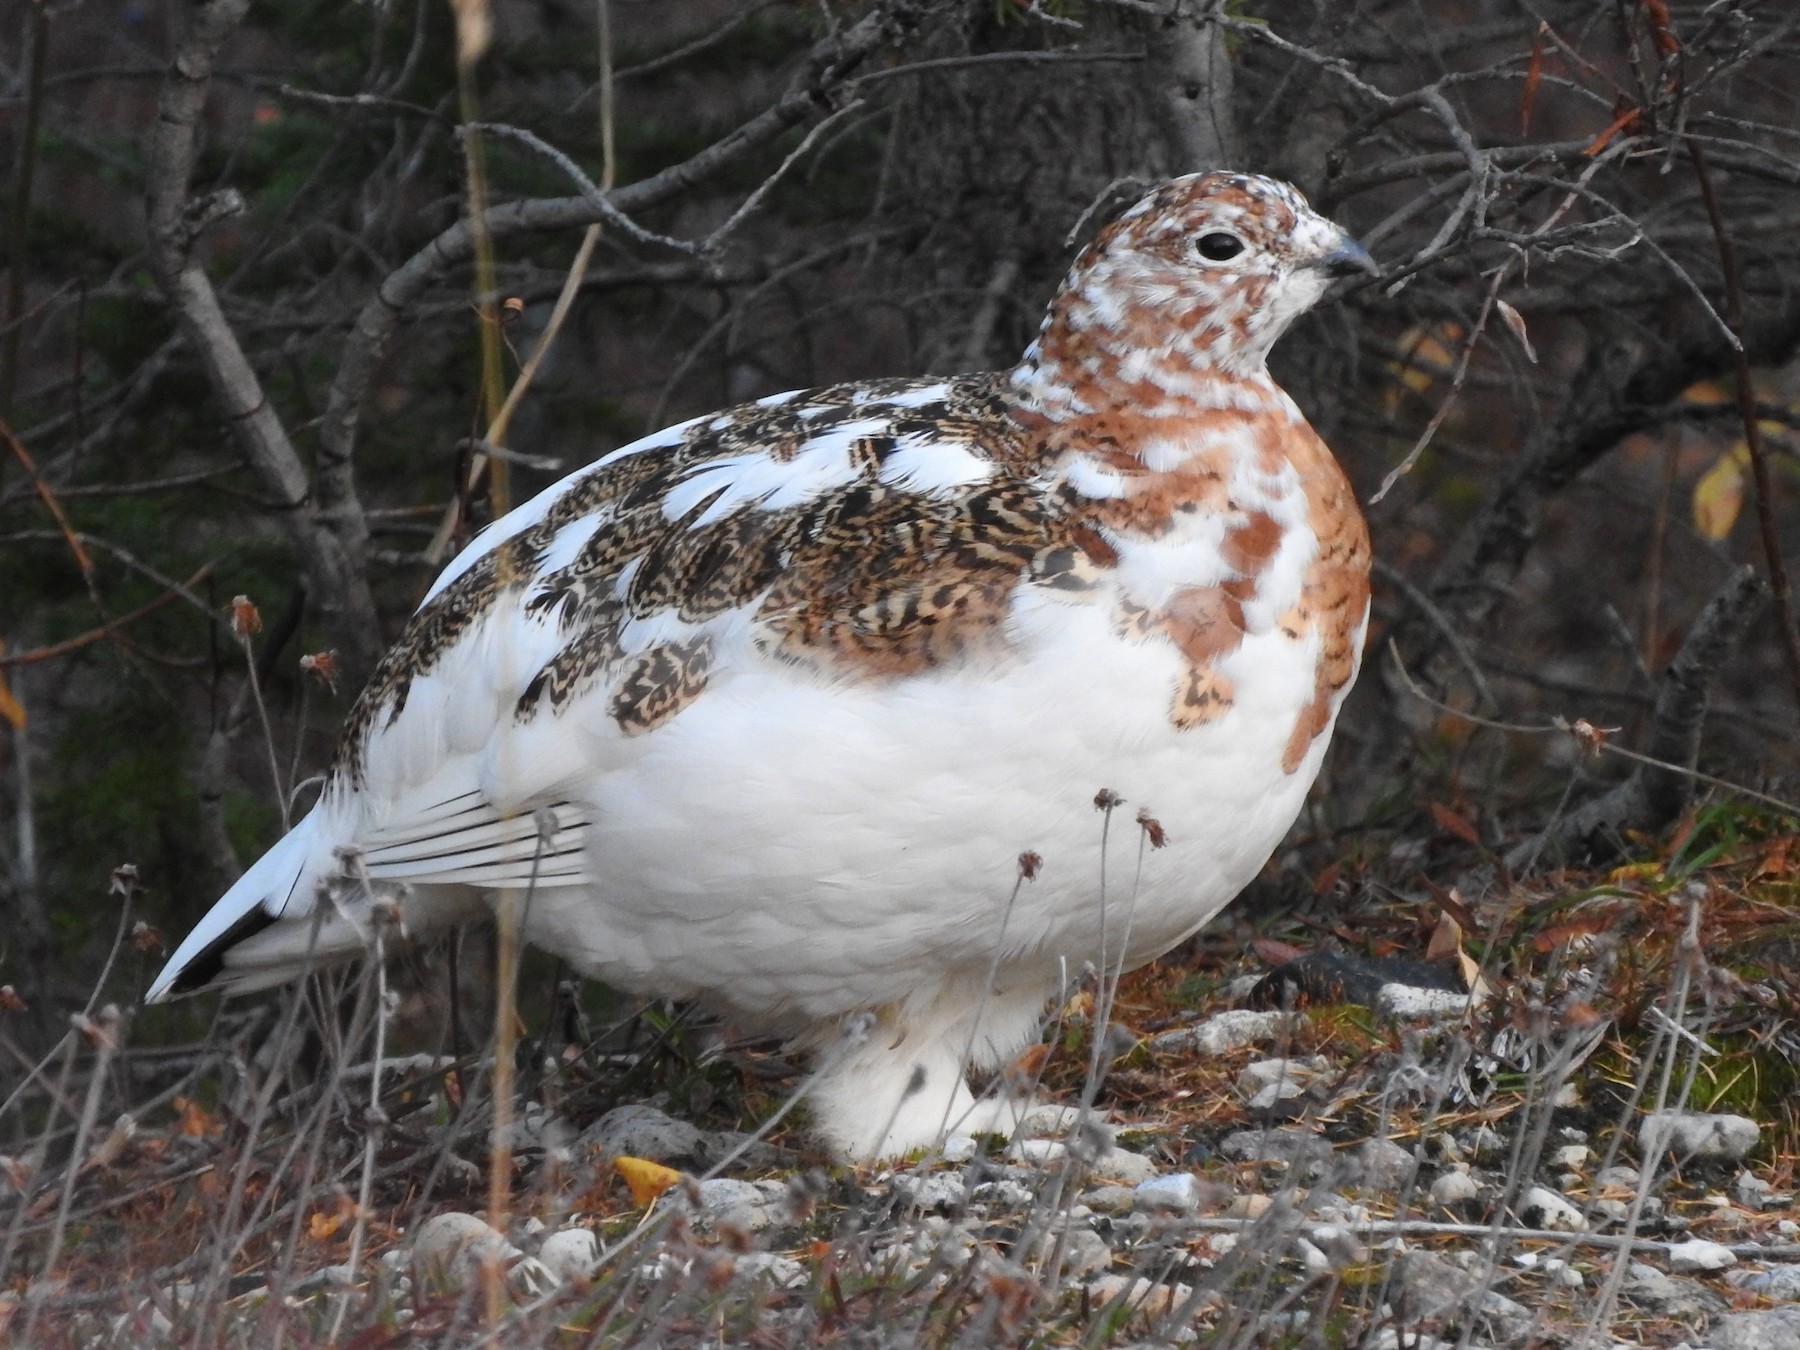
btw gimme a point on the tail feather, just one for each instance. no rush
(259, 898)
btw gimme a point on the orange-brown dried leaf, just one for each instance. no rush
(1274, 951)
(645, 1180)
(1454, 822)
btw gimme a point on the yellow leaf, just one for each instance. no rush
(322, 1225)
(10, 708)
(1707, 393)
(646, 1179)
(1719, 495)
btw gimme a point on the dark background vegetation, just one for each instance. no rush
(250, 365)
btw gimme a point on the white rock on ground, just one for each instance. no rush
(449, 1250)
(750, 1205)
(1386, 1166)
(1178, 1192)
(640, 1131)
(1037, 1151)
(1261, 1074)
(1544, 1208)
(1697, 1134)
(1122, 1165)
(1454, 1188)
(1698, 1255)
(1779, 1284)
(1775, 1329)
(1224, 1032)
(571, 1254)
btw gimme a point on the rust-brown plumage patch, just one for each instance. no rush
(1334, 595)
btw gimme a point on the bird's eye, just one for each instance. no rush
(1218, 246)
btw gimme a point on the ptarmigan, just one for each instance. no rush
(765, 709)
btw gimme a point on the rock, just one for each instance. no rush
(1260, 1075)
(448, 1249)
(1410, 1003)
(1655, 1292)
(1179, 1192)
(1282, 1101)
(1752, 1192)
(1778, 1284)
(1697, 1134)
(1386, 1166)
(959, 1148)
(572, 1254)
(1438, 1293)
(1571, 1156)
(1544, 1208)
(1122, 1165)
(752, 1206)
(1110, 1199)
(1453, 1189)
(1299, 1150)
(1775, 1329)
(1486, 1144)
(639, 1131)
(1697, 1256)
(1004, 1194)
(1315, 1261)
(1224, 1032)
(1624, 1177)
(1084, 1252)
(941, 1193)
(1036, 1152)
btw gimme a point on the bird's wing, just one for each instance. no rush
(871, 530)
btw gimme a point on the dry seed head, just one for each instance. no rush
(245, 617)
(322, 666)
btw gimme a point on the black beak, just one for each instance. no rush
(1347, 259)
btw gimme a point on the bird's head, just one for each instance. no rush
(1204, 274)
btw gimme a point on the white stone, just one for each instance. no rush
(449, 1248)
(1224, 1032)
(1269, 1098)
(571, 1254)
(1406, 1003)
(1122, 1165)
(1571, 1156)
(1454, 1188)
(1267, 1073)
(772, 1266)
(1698, 1255)
(1180, 1191)
(749, 1205)
(933, 1193)
(1697, 1134)
(959, 1148)
(1037, 1151)
(1544, 1208)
